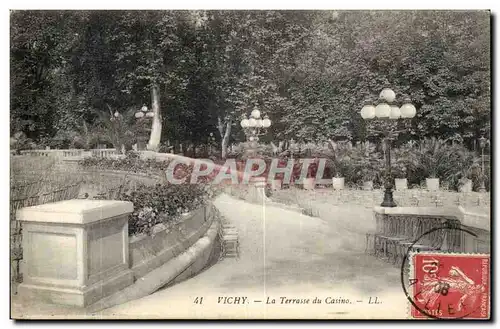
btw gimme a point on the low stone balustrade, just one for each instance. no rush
(73, 153)
(76, 251)
(104, 153)
(450, 229)
(257, 190)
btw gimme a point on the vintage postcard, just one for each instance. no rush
(250, 164)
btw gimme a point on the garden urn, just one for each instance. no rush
(309, 183)
(466, 187)
(401, 184)
(338, 183)
(432, 184)
(276, 184)
(368, 185)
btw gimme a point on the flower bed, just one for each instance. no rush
(168, 240)
(160, 203)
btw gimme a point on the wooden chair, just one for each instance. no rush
(228, 235)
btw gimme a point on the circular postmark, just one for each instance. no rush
(438, 283)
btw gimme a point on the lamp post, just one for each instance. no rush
(210, 143)
(482, 144)
(254, 126)
(387, 111)
(143, 117)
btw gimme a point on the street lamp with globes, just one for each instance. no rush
(483, 142)
(254, 126)
(143, 117)
(387, 111)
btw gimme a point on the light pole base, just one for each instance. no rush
(388, 199)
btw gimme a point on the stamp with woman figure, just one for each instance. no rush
(450, 286)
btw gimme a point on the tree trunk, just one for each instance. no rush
(86, 147)
(154, 139)
(225, 139)
(220, 127)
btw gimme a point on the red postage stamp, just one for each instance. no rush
(450, 286)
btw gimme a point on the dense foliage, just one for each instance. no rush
(309, 70)
(451, 162)
(163, 203)
(131, 163)
(153, 204)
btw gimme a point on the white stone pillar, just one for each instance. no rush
(257, 190)
(75, 251)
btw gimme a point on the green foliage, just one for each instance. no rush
(20, 142)
(163, 203)
(340, 159)
(440, 159)
(131, 163)
(367, 164)
(404, 160)
(309, 71)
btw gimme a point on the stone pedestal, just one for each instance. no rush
(309, 183)
(257, 190)
(75, 251)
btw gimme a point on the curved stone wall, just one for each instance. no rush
(167, 257)
(148, 252)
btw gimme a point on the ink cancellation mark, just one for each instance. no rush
(450, 286)
(447, 285)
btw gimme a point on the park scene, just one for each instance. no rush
(247, 164)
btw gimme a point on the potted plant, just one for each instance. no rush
(432, 182)
(310, 180)
(309, 183)
(405, 159)
(400, 180)
(474, 178)
(338, 182)
(368, 176)
(440, 161)
(338, 163)
(465, 185)
(367, 164)
(277, 182)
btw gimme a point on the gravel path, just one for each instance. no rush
(289, 258)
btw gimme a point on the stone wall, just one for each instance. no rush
(147, 252)
(85, 228)
(464, 232)
(370, 199)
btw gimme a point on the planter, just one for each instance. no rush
(368, 185)
(432, 184)
(401, 184)
(276, 184)
(309, 183)
(466, 187)
(338, 183)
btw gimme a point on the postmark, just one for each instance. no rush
(446, 285)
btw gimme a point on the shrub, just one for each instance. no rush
(340, 164)
(366, 162)
(404, 160)
(131, 163)
(437, 158)
(163, 203)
